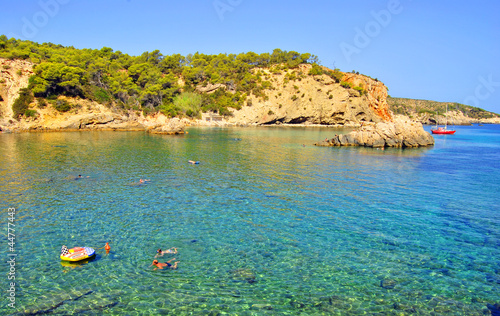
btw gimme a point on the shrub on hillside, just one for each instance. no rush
(21, 104)
(422, 111)
(316, 70)
(100, 95)
(335, 75)
(30, 113)
(360, 89)
(346, 84)
(186, 103)
(62, 106)
(41, 103)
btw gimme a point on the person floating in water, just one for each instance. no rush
(140, 182)
(160, 252)
(168, 264)
(80, 177)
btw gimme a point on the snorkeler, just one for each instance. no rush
(79, 177)
(161, 265)
(160, 252)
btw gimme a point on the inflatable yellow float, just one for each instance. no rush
(76, 254)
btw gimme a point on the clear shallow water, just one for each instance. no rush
(265, 224)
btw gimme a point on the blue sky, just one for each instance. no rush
(435, 50)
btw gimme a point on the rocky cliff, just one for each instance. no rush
(83, 114)
(14, 75)
(292, 97)
(298, 98)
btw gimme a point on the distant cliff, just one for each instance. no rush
(432, 112)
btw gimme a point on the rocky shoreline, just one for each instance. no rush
(294, 98)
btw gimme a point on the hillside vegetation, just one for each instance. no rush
(428, 111)
(151, 82)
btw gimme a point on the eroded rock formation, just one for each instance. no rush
(401, 132)
(299, 98)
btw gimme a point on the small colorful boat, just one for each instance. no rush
(77, 253)
(441, 130)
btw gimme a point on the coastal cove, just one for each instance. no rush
(266, 223)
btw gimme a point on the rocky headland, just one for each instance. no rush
(315, 99)
(294, 97)
(438, 113)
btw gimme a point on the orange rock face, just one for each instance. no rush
(376, 93)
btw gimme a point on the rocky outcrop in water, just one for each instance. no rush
(169, 126)
(402, 133)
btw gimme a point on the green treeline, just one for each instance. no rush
(149, 82)
(411, 107)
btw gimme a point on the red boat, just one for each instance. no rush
(442, 130)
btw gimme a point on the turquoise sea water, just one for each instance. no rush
(266, 224)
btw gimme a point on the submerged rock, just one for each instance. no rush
(494, 309)
(262, 306)
(243, 274)
(495, 278)
(388, 283)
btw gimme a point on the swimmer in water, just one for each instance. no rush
(168, 264)
(80, 177)
(160, 252)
